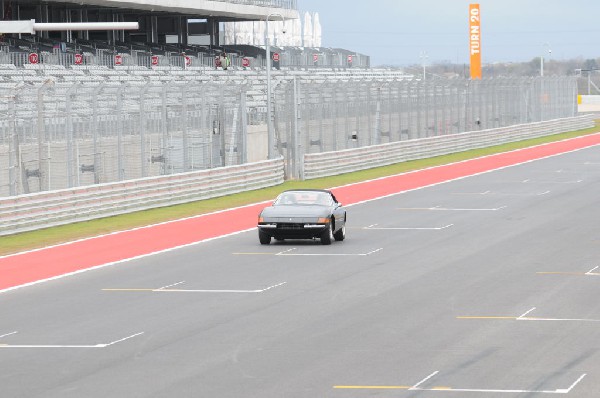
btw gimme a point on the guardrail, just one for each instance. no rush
(52, 208)
(324, 164)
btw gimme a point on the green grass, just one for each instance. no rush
(50, 236)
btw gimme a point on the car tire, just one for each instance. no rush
(264, 238)
(327, 235)
(340, 234)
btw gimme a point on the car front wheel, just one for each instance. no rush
(327, 235)
(264, 238)
(340, 234)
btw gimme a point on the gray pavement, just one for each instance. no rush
(481, 287)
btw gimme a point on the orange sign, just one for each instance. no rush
(475, 40)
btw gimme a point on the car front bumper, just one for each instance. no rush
(292, 230)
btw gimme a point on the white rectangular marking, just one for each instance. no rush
(288, 253)
(437, 208)
(70, 345)
(373, 227)
(217, 291)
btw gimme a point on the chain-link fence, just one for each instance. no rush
(55, 136)
(325, 116)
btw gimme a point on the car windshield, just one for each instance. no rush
(303, 198)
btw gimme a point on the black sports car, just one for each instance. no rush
(303, 214)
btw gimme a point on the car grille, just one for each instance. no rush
(283, 225)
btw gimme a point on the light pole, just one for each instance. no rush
(271, 134)
(542, 58)
(424, 57)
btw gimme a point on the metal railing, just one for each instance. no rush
(46, 209)
(287, 4)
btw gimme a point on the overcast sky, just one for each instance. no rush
(396, 32)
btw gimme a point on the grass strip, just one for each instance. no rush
(66, 233)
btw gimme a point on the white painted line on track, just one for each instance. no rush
(171, 285)
(8, 334)
(554, 182)
(491, 193)
(375, 228)
(467, 390)
(416, 386)
(69, 345)
(437, 208)
(166, 290)
(568, 390)
(523, 316)
(591, 272)
(588, 273)
(289, 253)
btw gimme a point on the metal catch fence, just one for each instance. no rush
(57, 136)
(313, 117)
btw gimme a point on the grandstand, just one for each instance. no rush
(186, 33)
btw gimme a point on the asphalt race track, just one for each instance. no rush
(480, 287)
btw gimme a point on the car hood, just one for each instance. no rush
(286, 212)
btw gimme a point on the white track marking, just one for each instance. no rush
(437, 208)
(522, 316)
(477, 390)
(8, 334)
(168, 286)
(472, 193)
(554, 182)
(504, 193)
(416, 386)
(408, 228)
(287, 253)
(123, 339)
(568, 390)
(70, 345)
(591, 272)
(166, 290)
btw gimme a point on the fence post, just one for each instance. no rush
(143, 92)
(377, 128)
(69, 117)
(294, 138)
(94, 127)
(184, 128)
(41, 131)
(12, 180)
